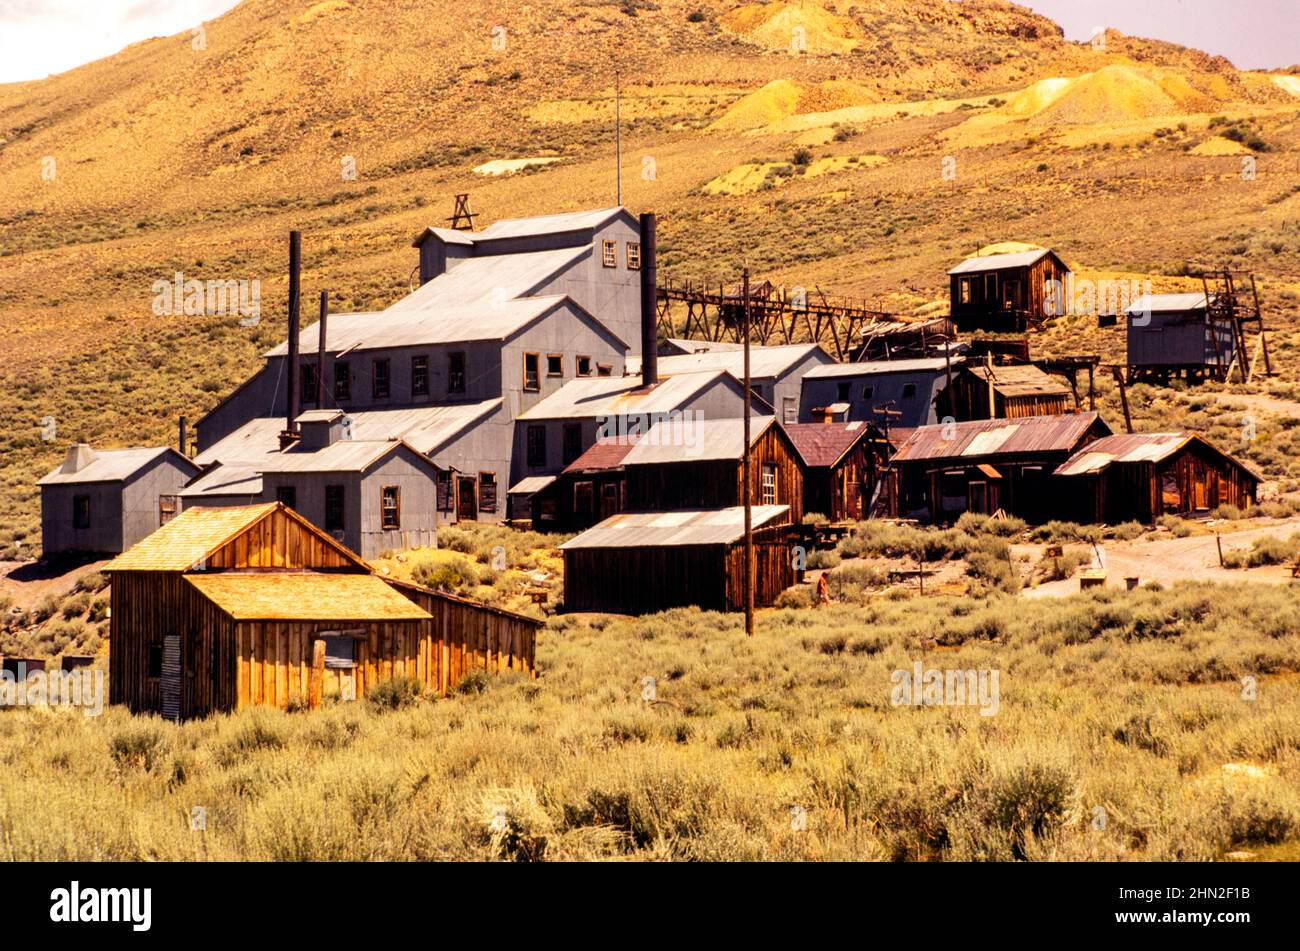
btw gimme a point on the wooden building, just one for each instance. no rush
(943, 471)
(698, 464)
(1007, 292)
(841, 466)
(1174, 335)
(639, 563)
(1142, 476)
(225, 608)
(1012, 391)
(589, 490)
(104, 501)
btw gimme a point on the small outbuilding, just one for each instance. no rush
(1142, 476)
(589, 490)
(841, 466)
(1007, 292)
(104, 501)
(1009, 391)
(642, 562)
(1174, 335)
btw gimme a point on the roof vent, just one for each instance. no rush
(78, 457)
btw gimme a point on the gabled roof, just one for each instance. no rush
(1139, 447)
(197, 533)
(1018, 380)
(998, 262)
(1166, 303)
(994, 437)
(305, 596)
(690, 440)
(448, 236)
(426, 428)
(549, 224)
(764, 362)
(684, 345)
(823, 445)
(660, 529)
(621, 395)
(346, 455)
(112, 465)
(917, 365)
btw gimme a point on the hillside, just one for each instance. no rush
(169, 158)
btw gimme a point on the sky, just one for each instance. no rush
(39, 37)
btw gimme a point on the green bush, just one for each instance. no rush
(394, 693)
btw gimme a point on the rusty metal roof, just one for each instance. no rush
(1138, 447)
(603, 456)
(822, 445)
(998, 437)
(662, 529)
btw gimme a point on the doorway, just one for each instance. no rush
(466, 500)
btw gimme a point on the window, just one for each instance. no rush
(487, 491)
(419, 376)
(536, 446)
(307, 388)
(604, 369)
(81, 511)
(532, 378)
(456, 372)
(634, 255)
(167, 508)
(342, 381)
(340, 651)
(379, 382)
(868, 392)
(584, 366)
(769, 483)
(582, 499)
(789, 410)
(842, 392)
(1011, 295)
(554, 364)
(390, 507)
(963, 290)
(333, 508)
(909, 390)
(155, 660)
(443, 490)
(572, 442)
(990, 287)
(609, 254)
(287, 496)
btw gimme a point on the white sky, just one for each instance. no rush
(40, 37)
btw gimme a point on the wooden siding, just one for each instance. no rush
(1123, 492)
(845, 490)
(278, 541)
(989, 307)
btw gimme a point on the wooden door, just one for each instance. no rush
(466, 501)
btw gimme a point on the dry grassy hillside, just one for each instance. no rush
(166, 157)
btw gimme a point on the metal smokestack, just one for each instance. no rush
(290, 434)
(184, 437)
(320, 350)
(649, 302)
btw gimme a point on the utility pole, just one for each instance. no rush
(748, 482)
(618, 135)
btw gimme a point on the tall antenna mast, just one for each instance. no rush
(618, 135)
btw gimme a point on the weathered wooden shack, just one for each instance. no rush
(1174, 335)
(1007, 292)
(698, 464)
(589, 490)
(225, 608)
(106, 500)
(841, 463)
(982, 466)
(1012, 391)
(1142, 476)
(639, 563)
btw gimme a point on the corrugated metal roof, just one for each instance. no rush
(1138, 447)
(242, 481)
(996, 262)
(824, 444)
(764, 362)
(690, 440)
(1166, 303)
(1019, 380)
(663, 529)
(346, 455)
(547, 224)
(189, 538)
(531, 484)
(1030, 434)
(320, 416)
(701, 346)
(111, 465)
(424, 427)
(881, 367)
(448, 236)
(619, 395)
(305, 596)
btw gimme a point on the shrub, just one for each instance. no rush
(823, 559)
(394, 693)
(75, 606)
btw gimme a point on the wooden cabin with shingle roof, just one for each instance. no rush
(226, 608)
(841, 467)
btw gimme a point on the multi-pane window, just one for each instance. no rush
(536, 446)
(333, 508)
(81, 511)
(419, 376)
(307, 389)
(380, 379)
(554, 364)
(963, 290)
(444, 493)
(342, 381)
(769, 483)
(634, 255)
(584, 366)
(609, 254)
(487, 491)
(168, 506)
(456, 372)
(532, 372)
(572, 442)
(390, 507)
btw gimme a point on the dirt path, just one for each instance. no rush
(24, 583)
(1258, 401)
(1168, 560)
